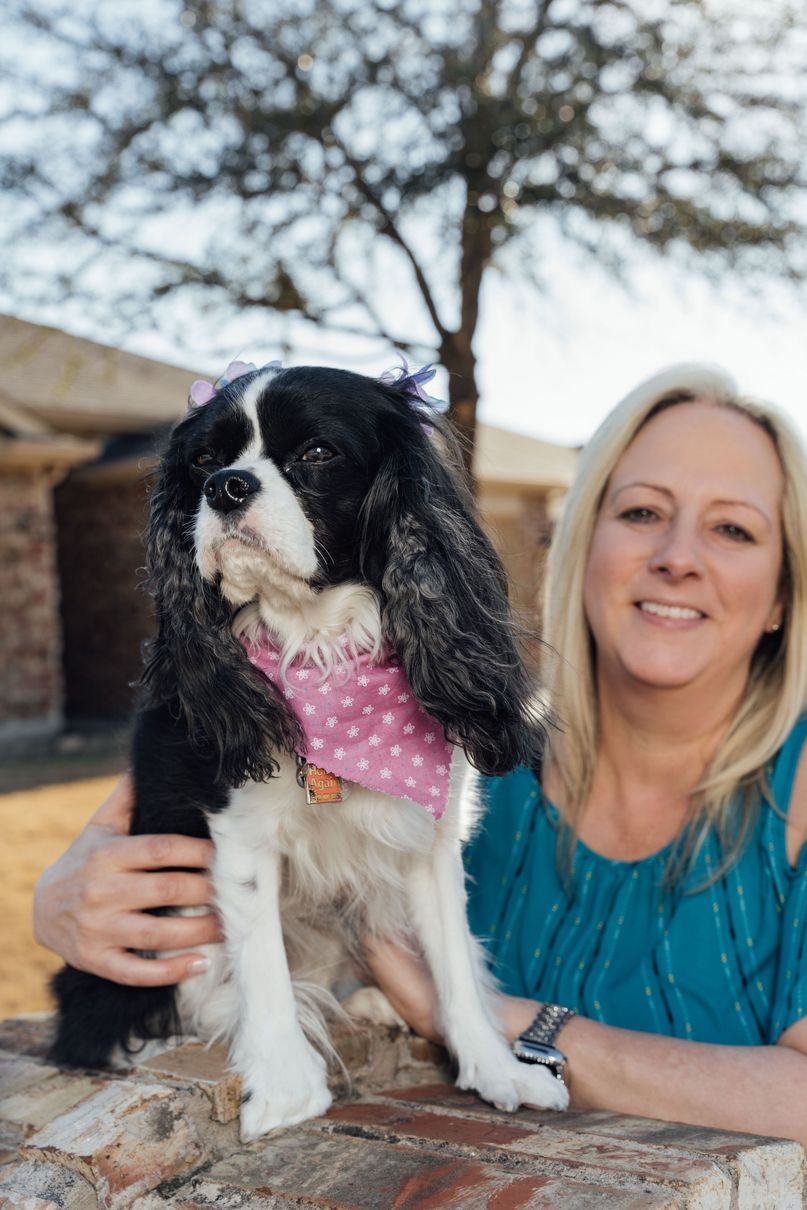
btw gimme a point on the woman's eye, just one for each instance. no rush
(638, 514)
(735, 532)
(317, 453)
(203, 458)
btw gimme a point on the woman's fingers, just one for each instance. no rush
(175, 888)
(143, 932)
(158, 851)
(123, 967)
(149, 888)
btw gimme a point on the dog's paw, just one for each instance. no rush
(265, 1111)
(538, 1088)
(285, 1092)
(508, 1083)
(370, 1004)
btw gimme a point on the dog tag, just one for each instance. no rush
(322, 786)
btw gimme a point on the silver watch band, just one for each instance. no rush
(549, 1021)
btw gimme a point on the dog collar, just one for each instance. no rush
(364, 724)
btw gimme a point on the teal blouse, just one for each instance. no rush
(725, 962)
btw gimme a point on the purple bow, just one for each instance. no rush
(202, 392)
(410, 385)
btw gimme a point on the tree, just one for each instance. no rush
(263, 153)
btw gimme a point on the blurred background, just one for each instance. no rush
(548, 199)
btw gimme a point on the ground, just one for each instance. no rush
(36, 824)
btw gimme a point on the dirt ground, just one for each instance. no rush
(36, 825)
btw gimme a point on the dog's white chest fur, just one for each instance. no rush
(353, 855)
(343, 871)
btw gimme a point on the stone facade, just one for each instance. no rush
(399, 1134)
(30, 644)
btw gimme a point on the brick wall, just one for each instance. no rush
(106, 612)
(165, 1135)
(30, 645)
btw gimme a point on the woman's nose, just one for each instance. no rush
(677, 553)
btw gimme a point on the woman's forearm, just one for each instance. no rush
(759, 1089)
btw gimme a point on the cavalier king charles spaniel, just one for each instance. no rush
(334, 653)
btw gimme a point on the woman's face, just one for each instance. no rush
(683, 573)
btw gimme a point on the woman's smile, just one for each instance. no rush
(669, 616)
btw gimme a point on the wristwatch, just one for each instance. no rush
(537, 1043)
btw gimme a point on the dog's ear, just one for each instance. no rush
(232, 712)
(444, 601)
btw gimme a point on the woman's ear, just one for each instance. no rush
(231, 711)
(445, 608)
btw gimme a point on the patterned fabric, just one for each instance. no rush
(365, 725)
(724, 963)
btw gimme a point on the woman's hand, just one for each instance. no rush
(406, 981)
(89, 906)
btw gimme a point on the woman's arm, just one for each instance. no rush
(89, 906)
(760, 1089)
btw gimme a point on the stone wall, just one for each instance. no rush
(164, 1135)
(30, 644)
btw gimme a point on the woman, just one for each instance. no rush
(653, 882)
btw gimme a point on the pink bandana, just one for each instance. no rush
(365, 727)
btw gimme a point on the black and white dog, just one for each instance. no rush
(335, 650)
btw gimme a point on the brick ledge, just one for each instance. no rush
(164, 1134)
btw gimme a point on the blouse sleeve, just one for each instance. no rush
(790, 994)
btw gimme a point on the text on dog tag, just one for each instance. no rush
(322, 786)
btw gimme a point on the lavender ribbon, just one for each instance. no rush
(202, 392)
(411, 386)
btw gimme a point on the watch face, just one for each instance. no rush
(537, 1052)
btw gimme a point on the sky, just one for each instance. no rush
(555, 370)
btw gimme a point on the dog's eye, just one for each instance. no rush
(203, 458)
(317, 453)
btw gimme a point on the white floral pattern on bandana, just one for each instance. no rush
(407, 756)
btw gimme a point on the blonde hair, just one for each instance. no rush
(777, 686)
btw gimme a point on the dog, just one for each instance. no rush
(334, 655)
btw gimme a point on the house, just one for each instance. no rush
(80, 426)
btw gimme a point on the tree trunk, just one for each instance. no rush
(457, 352)
(463, 394)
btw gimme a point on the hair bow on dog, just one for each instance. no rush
(202, 392)
(411, 385)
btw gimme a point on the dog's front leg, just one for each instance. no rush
(283, 1077)
(486, 1063)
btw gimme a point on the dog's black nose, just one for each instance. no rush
(227, 490)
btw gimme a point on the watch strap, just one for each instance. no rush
(549, 1021)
